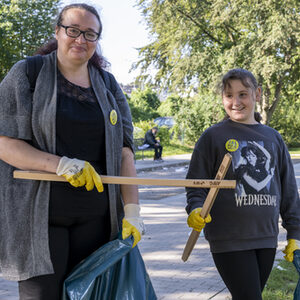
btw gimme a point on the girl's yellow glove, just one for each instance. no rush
(290, 248)
(196, 221)
(132, 223)
(79, 173)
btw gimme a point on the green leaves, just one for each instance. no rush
(195, 42)
(24, 26)
(144, 104)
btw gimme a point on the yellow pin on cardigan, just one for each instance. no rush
(113, 117)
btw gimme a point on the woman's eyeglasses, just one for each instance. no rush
(74, 32)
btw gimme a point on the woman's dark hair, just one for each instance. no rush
(247, 79)
(97, 59)
(84, 6)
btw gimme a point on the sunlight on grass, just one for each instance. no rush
(177, 148)
(168, 150)
(294, 150)
(282, 282)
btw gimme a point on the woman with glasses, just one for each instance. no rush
(72, 125)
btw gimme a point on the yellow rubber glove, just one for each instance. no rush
(196, 221)
(79, 173)
(132, 223)
(290, 248)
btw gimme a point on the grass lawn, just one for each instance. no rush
(294, 150)
(168, 150)
(282, 282)
(177, 148)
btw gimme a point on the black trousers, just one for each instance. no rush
(70, 241)
(158, 151)
(245, 273)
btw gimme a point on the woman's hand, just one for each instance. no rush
(132, 223)
(79, 173)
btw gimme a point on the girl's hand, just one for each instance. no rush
(196, 221)
(290, 248)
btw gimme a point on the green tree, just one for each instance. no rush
(144, 104)
(24, 26)
(286, 120)
(196, 114)
(170, 106)
(195, 42)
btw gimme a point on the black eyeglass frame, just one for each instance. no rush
(83, 32)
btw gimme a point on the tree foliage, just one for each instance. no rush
(194, 42)
(286, 120)
(170, 106)
(196, 114)
(24, 26)
(144, 104)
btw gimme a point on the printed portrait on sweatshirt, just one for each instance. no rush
(254, 168)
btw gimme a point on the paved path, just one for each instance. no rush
(162, 248)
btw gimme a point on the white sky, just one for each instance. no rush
(123, 32)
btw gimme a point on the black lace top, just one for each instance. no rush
(80, 133)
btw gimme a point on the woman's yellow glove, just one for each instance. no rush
(132, 223)
(79, 173)
(196, 221)
(290, 248)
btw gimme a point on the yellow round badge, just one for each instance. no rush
(113, 117)
(232, 145)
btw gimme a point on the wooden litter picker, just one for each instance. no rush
(201, 183)
(209, 201)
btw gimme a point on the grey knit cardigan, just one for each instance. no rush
(24, 250)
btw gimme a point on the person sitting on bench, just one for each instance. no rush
(154, 143)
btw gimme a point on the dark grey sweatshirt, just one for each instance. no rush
(246, 217)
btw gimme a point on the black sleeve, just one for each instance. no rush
(199, 168)
(290, 203)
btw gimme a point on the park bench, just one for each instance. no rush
(138, 147)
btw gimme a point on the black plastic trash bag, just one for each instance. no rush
(296, 262)
(113, 272)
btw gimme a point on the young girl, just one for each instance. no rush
(244, 227)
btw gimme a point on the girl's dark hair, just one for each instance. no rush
(247, 79)
(97, 59)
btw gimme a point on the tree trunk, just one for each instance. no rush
(266, 107)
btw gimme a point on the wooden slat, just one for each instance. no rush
(201, 183)
(209, 201)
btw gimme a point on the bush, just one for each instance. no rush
(164, 135)
(142, 127)
(143, 104)
(196, 115)
(286, 120)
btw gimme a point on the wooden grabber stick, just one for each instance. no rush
(209, 201)
(202, 183)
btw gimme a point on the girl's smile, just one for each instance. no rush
(239, 102)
